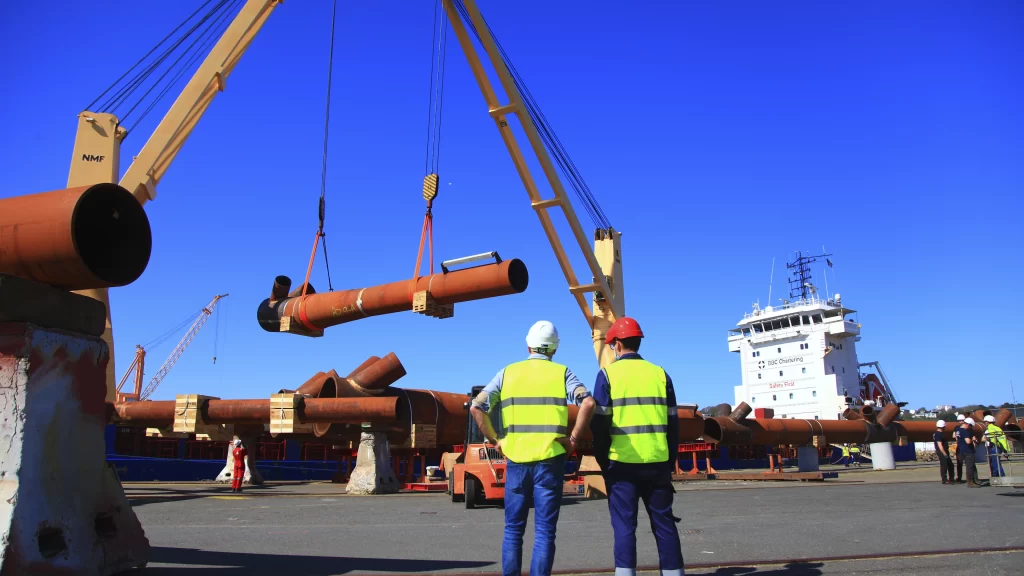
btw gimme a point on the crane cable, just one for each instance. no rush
(321, 206)
(435, 105)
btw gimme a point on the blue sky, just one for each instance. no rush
(716, 136)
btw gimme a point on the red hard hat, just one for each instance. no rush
(624, 327)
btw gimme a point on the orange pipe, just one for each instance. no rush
(79, 238)
(320, 311)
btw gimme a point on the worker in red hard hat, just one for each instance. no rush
(238, 474)
(636, 441)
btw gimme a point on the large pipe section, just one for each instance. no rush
(319, 311)
(738, 430)
(79, 238)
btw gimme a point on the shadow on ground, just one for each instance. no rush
(792, 569)
(204, 562)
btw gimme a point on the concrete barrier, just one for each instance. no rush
(62, 508)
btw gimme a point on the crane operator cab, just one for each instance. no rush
(478, 474)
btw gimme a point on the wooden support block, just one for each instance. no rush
(284, 418)
(423, 436)
(819, 441)
(188, 418)
(165, 433)
(423, 303)
(296, 328)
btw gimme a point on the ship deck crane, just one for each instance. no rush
(96, 155)
(140, 358)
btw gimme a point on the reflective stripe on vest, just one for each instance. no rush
(639, 398)
(534, 412)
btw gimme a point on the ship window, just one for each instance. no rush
(815, 417)
(790, 395)
(833, 369)
(803, 370)
(753, 354)
(814, 393)
(807, 320)
(784, 323)
(794, 320)
(844, 369)
(817, 318)
(780, 350)
(780, 372)
(746, 332)
(753, 399)
(758, 375)
(773, 396)
(758, 329)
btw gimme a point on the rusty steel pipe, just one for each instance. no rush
(280, 289)
(851, 414)
(79, 238)
(348, 410)
(324, 310)
(867, 413)
(888, 415)
(237, 411)
(148, 411)
(1003, 416)
(772, 431)
(379, 375)
(741, 412)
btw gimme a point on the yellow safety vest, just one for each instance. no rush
(846, 450)
(854, 450)
(639, 396)
(997, 436)
(534, 412)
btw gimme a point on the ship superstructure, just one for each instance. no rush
(800, 358)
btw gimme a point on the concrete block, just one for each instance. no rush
(373, 473)
(62, 508)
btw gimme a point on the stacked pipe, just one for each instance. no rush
(864, 427)
(338, 406)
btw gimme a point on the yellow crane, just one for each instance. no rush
(138, 364)
(96, 156)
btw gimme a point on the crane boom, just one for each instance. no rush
(180, 348)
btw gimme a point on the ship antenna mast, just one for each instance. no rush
(800, 280)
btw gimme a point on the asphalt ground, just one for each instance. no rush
(864, 523)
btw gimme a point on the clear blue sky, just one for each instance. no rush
(716, 136)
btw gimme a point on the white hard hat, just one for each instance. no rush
(990, 418)
(542, 336)
(940, 424)
(969, 421)
(960, 417)
(238, 441)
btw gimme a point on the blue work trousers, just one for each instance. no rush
(994, 465)
(539, 483)
(627, 485)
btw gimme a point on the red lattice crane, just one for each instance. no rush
(140, 358)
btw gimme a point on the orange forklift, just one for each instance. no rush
(477, 473)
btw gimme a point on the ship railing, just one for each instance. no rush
(812, 301)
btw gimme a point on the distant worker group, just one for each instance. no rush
(633, 420)
(966, 446)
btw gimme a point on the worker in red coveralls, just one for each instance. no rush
(238, 475)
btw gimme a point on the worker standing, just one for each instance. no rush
(959, 455)
(942, 451)
(855, 451)
(238, 474)
(995, 439)
(846, 455)
(532, 395)
(965, 446)
(636, 442)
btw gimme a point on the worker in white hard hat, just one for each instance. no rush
(959, 455)
(942, 451)
(995, 440)
(965, 447)
(532, 397)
